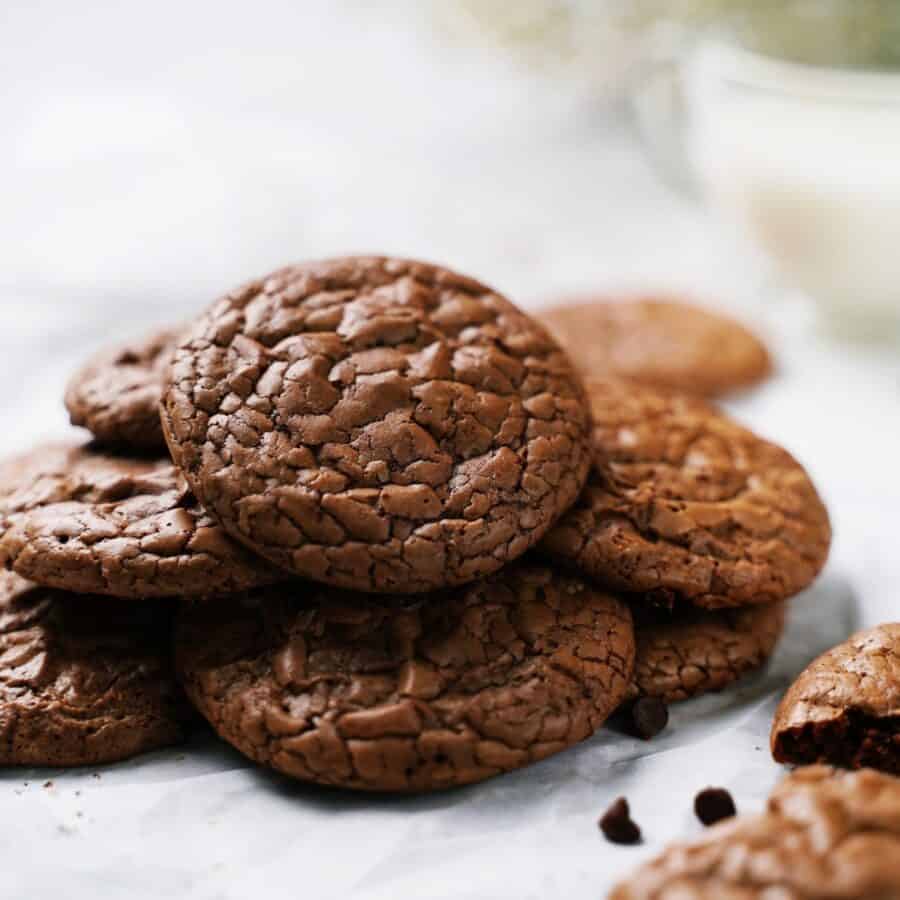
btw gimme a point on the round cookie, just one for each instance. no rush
(83, 680)
(377, 424)
(401, 693)
(687, 651)
(684, 503)
(76, 518)
(116, 394)
(660, 342)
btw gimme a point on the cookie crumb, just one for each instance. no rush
(617, 825)
(48, 784)
(713, 804)
(647, 717)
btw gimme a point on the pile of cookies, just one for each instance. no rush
(406, 545)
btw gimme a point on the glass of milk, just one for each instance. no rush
(806, 161)
(797, 142)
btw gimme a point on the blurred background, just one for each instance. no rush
(741, 154)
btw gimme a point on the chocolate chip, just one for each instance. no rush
(617, 826)
(647, 717)
(714, 804)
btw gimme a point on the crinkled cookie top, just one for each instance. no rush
(688, 651)
(377, 424)
(76, 518)
(684, 503)
(116, 394)
(405, 693)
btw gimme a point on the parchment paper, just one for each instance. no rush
(201, 822)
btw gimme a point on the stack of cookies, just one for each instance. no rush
(405, 544)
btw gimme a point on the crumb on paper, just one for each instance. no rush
(48, 784)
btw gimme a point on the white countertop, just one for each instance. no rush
(154, 161)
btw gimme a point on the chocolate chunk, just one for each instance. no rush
(664, 343)
(377, 424)
(713, 804)
(843, 708)
(646, 717)
(682, 498)
(824, 834)
(617, 825)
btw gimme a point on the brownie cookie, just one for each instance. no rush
(377, 424)
(660, 342)
(83, 680)
(685, 503)
(845, 706)
(403, 693)
(686, 652)
(76, 518)
(824, 835)
(116, 394)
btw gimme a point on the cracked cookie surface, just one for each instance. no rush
(687, 651)
(824, 834)
(685, 503)
(844, 708)
(377, 424)
(660, 342)
(83, 680)
(116, 394)
(79, 519)
(406, 693)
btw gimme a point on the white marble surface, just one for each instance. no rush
(155, 155)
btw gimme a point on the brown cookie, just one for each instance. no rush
(685, 503)
(401, 693)
(76, 518)
(844, 708)
(687, 651)
(377, 424)
(825, 834)
(116, 394)
(660, 342)
(83, 680)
